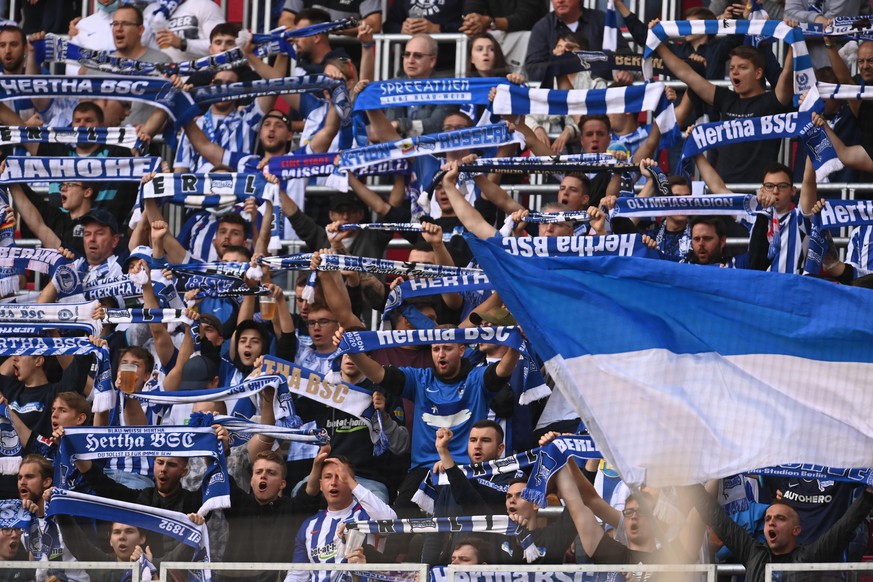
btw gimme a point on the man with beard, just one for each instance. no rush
(274, 139)
(224, 123)
(34, 479)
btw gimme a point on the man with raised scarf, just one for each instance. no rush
(166, 494)
(463, 496)
(317, 541)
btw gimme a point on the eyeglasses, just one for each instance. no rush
(415, 56)
(68, 185)
(630, 512)
(769, 186)
(8, 531)
(122, 24)
(323, 322)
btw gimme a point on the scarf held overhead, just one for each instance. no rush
(104, 442)
(67, 169)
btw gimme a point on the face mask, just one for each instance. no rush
(112, 7)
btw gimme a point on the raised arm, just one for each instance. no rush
(32, 217)
(469, 216)
(784, 89)
(367, 365)
(170, 247)
(710, 177)
(684, 72)
(335, 294)
(590, 532)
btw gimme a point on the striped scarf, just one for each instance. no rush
(516, 100)
(804, 75)
(38, 260)
(301, 262)
(551, 458)
(173, 524)
(447, 141)
(209, 190)
(125, 137)
(281, 408)
(548, 164)
(427, 493)
(496, 524)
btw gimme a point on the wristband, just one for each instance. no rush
(367, 45)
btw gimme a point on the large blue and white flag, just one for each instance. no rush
(692, 372)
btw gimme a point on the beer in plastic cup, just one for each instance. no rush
(268, 307)
(127, 377)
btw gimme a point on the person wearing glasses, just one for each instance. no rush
(127, 34)
(778, 233)
(419, 62)
(636, 539)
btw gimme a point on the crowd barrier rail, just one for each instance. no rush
(136, 574)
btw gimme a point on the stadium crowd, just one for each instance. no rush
(207, 304)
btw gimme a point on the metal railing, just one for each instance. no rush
(419, 570)
(132, 567)
(468, 573)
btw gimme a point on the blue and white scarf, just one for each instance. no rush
(516, 100)
(125, 137)
(46, 169)
(357, 342)
(13, 515)
(156, 92)
(282, 409)
(819, 473)
(332, 392)
(103, 442)
(496, 524)
(434, 91)
(551, 458)
(447, 141)
(209, 190)
(146, 315)
(840, 213)
(818, 244)
(229, 269)
(851, 27)
(783, 125)
(70, 316)
(242, 429)
(804, 75)
(38, 260)
(708, 205)
(610, 245)
(57, 49)
(548, 164)
(312, 30)
(400, 227)
(219, 286)
(10, 447)
(104, 394)
(435, 286)
(427, 493)
(210, 94)
(301, 262)
(610, 28)
(121, 287)
(172, 524)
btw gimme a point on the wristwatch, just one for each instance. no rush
(493, 25)
(184, 45)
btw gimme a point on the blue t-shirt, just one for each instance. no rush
(456, 405)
